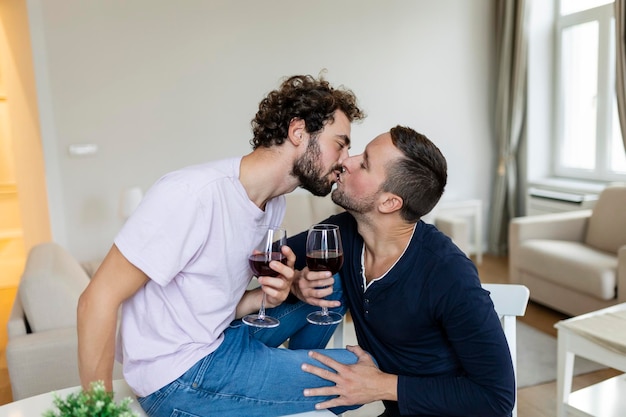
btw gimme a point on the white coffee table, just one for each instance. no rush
(37, 405)
(598, 336)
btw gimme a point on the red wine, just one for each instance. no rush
(260, 263)
(325, 261)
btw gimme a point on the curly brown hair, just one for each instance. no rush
(301, 97)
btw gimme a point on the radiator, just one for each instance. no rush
(541, 201)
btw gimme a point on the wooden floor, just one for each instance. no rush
(536, 401)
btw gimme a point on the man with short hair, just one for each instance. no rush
(416, 300)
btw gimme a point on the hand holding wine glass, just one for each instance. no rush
(324, 252)
(269, 249)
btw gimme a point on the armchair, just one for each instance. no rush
(573, 262)
(42, 348)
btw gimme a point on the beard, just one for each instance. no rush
(309, 173)
(353, 205)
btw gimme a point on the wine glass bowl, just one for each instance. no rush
(324, 252)
(260, 263)
(266, 251)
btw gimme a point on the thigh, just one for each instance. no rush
(295, 327)
(245, 377)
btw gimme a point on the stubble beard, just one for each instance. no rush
(353, 205)
(309, 173)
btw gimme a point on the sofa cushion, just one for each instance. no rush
(607, 225)
(305, 209)
(50, 287)
(572, 265)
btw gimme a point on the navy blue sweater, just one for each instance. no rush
(430, 322)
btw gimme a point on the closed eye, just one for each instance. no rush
(364, 161)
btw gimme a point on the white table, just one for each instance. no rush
(37, 405)
(580, 336)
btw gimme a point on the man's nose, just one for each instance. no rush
(345, 154)
(348, 163)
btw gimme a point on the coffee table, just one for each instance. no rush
(601, 337)
(37, 405)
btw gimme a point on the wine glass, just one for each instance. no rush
(324, 253)
(266, 251)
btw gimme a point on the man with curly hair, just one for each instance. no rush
(179, 270)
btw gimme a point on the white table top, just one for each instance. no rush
(37, 405)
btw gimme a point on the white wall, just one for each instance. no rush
(160, 84)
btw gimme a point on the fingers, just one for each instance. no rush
(275, 288)
(291, 257)
(326, 360)
(315, 285)
(317, 278)
(362, 355)
(285, 270)
(329, 375)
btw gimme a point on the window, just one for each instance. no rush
(589, 142)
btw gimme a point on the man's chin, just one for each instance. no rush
(318, 190)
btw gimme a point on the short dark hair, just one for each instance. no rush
(420, 177)
(302, 97)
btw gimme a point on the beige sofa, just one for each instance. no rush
(42, 346)
(573, 262)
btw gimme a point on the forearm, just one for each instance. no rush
(249, 303)
(385, 388)
(453, 395)
(96, 344)
(115, 281)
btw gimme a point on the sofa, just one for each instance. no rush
(42, 341)
(573, 262)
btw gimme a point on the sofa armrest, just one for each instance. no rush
(571, 225)
(43, 362)
(621, 274)
(17, 320)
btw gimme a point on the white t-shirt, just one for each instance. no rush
(191, 234)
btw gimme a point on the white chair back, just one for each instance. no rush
(510, 301)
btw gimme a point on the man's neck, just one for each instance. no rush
(385, 240)
(265, 174)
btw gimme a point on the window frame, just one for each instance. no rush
(605, 94)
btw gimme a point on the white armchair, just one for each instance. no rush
(573, 262)
(42, 350)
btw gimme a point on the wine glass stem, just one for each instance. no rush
(324, 311)
(262, 309)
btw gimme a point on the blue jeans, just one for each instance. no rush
(249, 376)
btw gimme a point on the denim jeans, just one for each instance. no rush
(249, 376)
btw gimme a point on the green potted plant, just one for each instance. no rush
(95, 402)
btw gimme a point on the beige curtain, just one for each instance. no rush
(510, 116)
(620, 59)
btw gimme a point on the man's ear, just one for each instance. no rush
(390, 203)
(296, 131)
